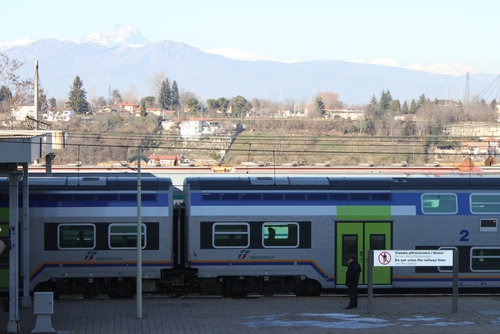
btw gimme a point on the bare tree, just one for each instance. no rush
(16, 91)
(331, 100)
(131, 95)
(155, 81)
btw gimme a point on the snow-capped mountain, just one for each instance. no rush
(236, 54)
(19, 42)
(121, 35)
(109, 60)
(445, 68)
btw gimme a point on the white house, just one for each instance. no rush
(190, 128)
(345, 114)
(196, 128)
(22, 112)
(58, 115)
(165, 160)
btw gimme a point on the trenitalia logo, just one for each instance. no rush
(89, 256)
(243, 254)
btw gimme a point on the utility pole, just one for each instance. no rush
(36, 95)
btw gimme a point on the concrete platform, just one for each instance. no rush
(277, 314)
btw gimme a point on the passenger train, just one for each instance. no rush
(240, 235)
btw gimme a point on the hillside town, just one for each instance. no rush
(213, 137)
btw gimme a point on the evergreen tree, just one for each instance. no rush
(192, 106)
(413, 107)
(421, 100)
(240, 106)
(404, 109)
(164, 99)
(175, 97)
(223, 104)
(116, 96)
(385, 100)
(146, 102)
(320, 105)
(77, 99)
(52, 102)
(395, 105)
(5, 94)
(493, 104)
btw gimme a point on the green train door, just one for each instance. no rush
(356, 239)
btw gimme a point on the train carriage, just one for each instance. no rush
(254, 234)
(294, 234)
(83, 234)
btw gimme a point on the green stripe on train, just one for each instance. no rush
(364, 212)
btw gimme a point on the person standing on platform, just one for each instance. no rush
(351, 280)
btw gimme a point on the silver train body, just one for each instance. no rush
(83, 234)
(258, 234)
(320, 222)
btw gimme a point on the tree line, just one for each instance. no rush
(383, 116)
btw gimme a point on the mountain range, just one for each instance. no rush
(122, 56)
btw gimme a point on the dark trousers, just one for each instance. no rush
(353, 296)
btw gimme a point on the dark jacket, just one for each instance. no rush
(352, 274)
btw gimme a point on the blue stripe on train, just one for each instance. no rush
(97, 200)
(312, 199)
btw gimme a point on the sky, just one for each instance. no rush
(427, 32)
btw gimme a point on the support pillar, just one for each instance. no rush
(25, 250)
(14, 323)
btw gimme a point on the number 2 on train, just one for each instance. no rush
(465, 235)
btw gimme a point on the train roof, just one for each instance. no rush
(95, 183)
(370, 182)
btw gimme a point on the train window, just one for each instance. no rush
(381, 197)
(145, 197)
(488, 225)
(60, 197)
(439, 203)
(280, 234)
(349, 247)
(360, 197)
(250, 197)
(317, 197)
(295, 197)
(76, 236)
(485, 259)
(107, 197)
(230, 197)
(485, 203)
(125, 236)
(377, 242)
(128, 197)
(272, 196)
(211, 197)
(339, 197)
(84, 197)
(231, 235)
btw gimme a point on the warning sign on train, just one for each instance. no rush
(413, 258)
